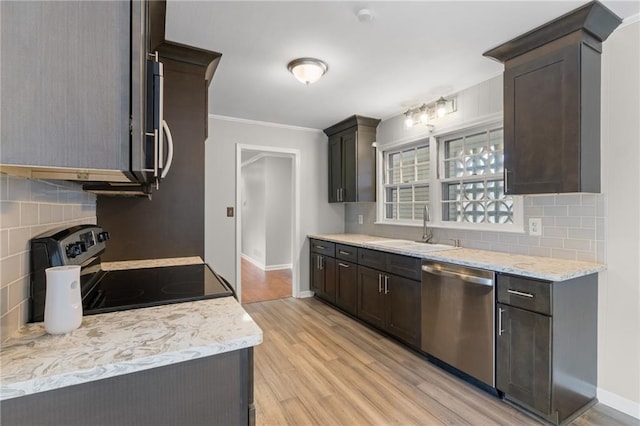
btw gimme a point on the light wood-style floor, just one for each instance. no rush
(317, 366)
(259, 285)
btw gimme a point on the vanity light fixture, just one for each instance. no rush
(426, 113)
(307, 70)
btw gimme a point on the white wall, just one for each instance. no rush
(279, 187)
(253, 212)
(316, 214)
(619, 285)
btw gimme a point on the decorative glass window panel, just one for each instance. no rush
(471, 176)
(406, 187)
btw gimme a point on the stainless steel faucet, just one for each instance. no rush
(427, 234)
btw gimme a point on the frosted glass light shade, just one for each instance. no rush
(307, 70)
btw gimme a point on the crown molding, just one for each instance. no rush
(264, 123)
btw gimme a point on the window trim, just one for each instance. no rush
(435, 183)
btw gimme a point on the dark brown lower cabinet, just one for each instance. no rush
(347, 286)
(391, 303)
(323, 276)
(524, 357)
(215, 390)
(547, 344)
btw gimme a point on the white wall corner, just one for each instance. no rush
(305, 294)
(253, 261)
(625, 405)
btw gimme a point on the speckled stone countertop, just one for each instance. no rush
(116, 343)
(544, 268)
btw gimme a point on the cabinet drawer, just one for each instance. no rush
(405, 266)
(323, 247)
(348, 253)
(525, 293)
(372, 258)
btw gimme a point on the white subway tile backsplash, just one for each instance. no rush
(553, 231)
(534, 211)
(568, 221)
(29, 213)
(548, 221)
(582, 210)
(29, 208)
(527, 240)
(580, 233)
(478, 245)
(18, 240)
(587, 222)
(540, 251)
(600, 229)
(586, 256)
(545, 200)
(568, 199)
(551, 242)
(556, 211)
(564, 254)
(509, 239)
(589, 199)
(584, 245)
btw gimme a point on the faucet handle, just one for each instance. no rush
(456, 242)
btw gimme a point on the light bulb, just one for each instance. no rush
(424, 117)
(408, 122)
(441, 107)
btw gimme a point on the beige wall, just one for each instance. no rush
(619, 285)
(28, 208)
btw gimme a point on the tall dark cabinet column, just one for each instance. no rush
(171, 224)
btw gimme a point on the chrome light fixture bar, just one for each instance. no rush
(307, 70)
(426, 113)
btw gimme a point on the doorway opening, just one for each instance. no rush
(267, 223)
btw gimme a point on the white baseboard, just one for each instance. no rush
(305, 294)
(625, 405)
(278, 267)
(252, 261)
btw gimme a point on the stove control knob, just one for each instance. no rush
(103, 236)
(83, 246)
(73, 250)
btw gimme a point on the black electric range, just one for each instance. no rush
(108, 291)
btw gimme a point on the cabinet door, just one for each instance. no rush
(65, 84)
(347, 286)
(335, 168)
(370, 296)
(542, 123)
(523, 358)
(349, 168)
(317, 276)
(402, 316)
(328, 265)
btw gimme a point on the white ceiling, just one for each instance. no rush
(410, 53)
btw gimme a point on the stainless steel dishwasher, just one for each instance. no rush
(458, 313)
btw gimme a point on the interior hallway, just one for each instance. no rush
(259, 285)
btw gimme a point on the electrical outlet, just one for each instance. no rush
(360, 219)
(535, 226)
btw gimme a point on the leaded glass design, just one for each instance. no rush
(473, 188)
(406, 191)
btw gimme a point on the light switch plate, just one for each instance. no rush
(535, 226)
(229, 211)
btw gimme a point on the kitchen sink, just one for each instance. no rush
(410, 245)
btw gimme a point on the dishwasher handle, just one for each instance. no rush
(464, 277)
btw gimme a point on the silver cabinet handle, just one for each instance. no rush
(500, 330)
(379, 283)
(520, 293)
(321, 247)
(337, 194)
(386, 284)
(464, 277)
(317, 262)
(321, 262)
(344, 252)
(344, 265)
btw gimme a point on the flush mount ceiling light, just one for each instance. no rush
(307, 70)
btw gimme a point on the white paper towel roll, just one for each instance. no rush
(63, 301)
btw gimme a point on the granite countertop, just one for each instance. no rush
(117, 343)
(544, 268)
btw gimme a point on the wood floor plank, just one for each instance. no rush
(317, 366)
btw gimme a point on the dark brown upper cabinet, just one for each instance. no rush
(352, 160)
(552, 103)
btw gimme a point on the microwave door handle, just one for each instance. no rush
(167, 166)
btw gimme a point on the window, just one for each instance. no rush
(471, 176)
(406, 183)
